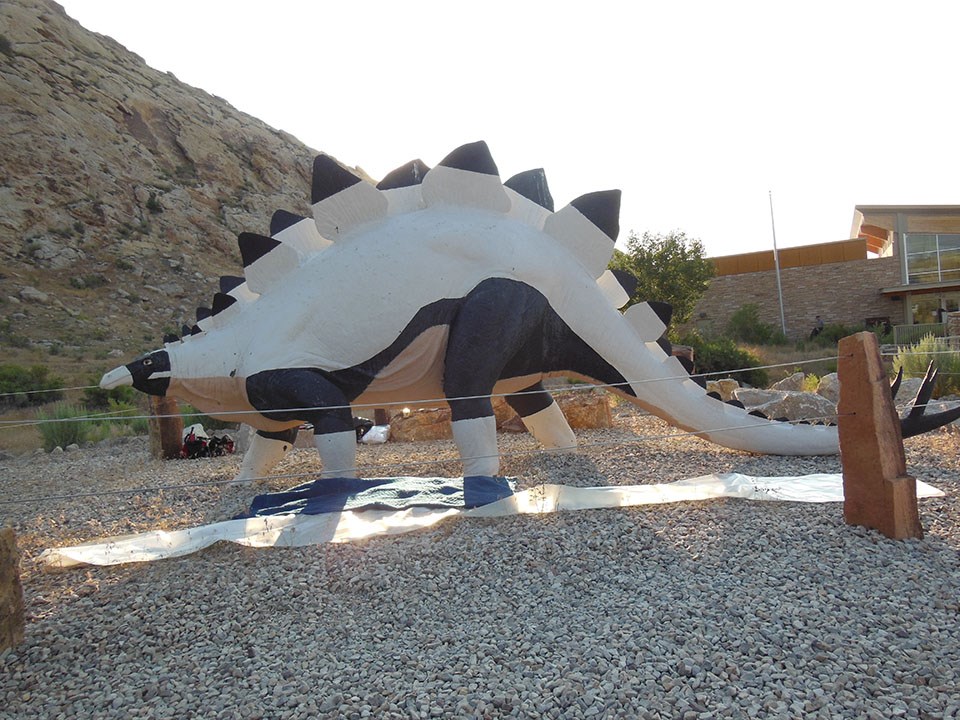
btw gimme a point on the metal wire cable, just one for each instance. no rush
(418, 463)
(47, 390)
(432, 401)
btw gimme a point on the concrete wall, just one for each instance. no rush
(844, 292)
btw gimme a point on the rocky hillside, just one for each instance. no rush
(122, 191)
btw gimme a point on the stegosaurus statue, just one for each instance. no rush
(435, 283)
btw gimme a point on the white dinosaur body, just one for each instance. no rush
(326, 298)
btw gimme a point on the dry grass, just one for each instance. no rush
(16, 438)
(795, 360)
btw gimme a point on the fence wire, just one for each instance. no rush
(637, 440)
(431, 401)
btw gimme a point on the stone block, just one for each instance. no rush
(877, 492)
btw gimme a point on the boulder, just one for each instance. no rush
(586, 409)
(31, 294)
(583, 410)
(829, 387)
(422, 424)
(793, 383)
(505, 414)
(754, 397)
(790, 405)
(52, 253)
(725, 388)
(909, 387)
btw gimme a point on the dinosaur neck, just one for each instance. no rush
(204, 356)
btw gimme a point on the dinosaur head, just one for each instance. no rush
(149, 373)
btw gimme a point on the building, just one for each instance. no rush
(901, 266)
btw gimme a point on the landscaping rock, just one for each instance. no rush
(754, 397)
(584, 410)
(790, 405)
(420, 425)
(829, 387)
(725, 388)
(792, 383)
(907, 393)
(801, 406)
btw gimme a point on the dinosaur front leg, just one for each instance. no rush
(265, 451)
(307, 395)
(543, 418)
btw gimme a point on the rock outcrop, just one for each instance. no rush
(122, 189)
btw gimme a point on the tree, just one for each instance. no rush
(670, 268)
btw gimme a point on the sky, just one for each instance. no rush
(699, 111)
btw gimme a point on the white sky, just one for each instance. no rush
(694, 109)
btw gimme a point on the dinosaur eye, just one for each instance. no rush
(147, 362)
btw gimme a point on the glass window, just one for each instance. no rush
(921, 243)
(932, 257)
(948, 242)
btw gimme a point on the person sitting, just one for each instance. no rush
(817, 328)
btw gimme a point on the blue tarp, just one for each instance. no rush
(397, 493)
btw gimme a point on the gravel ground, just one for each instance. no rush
(724, 608)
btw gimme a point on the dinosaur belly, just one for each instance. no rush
(413, 376)
(225, 399)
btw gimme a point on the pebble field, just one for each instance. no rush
(717, 609)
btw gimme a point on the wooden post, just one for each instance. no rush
(380, 417)
(11, 591)
(166, 433)
(877, 492)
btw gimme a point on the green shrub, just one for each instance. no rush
(832, 334)
(97, 398)
(723, 356)
(6, 47)
(20, 386)
(9, 337)
(88, 282)
(153, 204)
(915, 359)
(746, 326)
(138, 424)
(55, 432)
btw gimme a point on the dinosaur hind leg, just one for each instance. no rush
(492, 325)
(543, 418)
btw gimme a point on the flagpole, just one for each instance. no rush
(776, 265)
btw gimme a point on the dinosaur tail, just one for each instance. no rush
(634, 362)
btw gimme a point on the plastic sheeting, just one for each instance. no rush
(298, 529)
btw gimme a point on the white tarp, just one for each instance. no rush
(292, 530)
